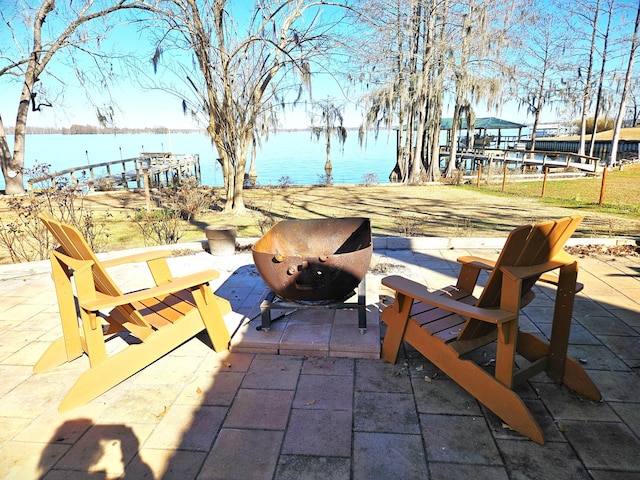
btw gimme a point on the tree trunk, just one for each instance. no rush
(327, 165)
(534, 130)
(433, 167)
(11, 171)
(451, 164)
(253, 174)
(413, 170)
(625, 90)
(235, 200)
(234, 182)
(596, 112)
(586, 95)
(13, 166)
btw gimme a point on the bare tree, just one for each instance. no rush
(32, 60)
(247, 64)
(603, 67)
(625, 89)
(539, 66)
(632, 114)
(587, 13)
(421, 55)
(484, 30)
(328, 121)
(403, 53)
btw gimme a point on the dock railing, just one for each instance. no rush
(107, 175)
(546, 160)
(524, 160)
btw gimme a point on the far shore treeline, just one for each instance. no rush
(93, 130)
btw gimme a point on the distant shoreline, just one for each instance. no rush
(93, 130)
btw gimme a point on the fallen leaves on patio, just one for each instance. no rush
(615, 251)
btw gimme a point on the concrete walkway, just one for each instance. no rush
(329, 408)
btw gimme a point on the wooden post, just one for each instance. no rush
(544, 181)
(125, 184)
(490, 168)
(136, 165)
(479, 174)
(147, 193)
(603, 185)
(504, 175)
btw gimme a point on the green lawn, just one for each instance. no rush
(621, 191)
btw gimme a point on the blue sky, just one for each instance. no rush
(134, 107)
(143, 108)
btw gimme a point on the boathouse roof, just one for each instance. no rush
(485, 123)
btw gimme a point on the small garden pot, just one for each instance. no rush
(222, 239)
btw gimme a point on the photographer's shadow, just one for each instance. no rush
(102, 451)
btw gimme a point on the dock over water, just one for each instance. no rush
(527, 161)
(149, 170)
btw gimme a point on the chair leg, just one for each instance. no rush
(211, 310)
(501, 400)
(129, 361)
(563, 309)
(396, 318)
(575, 378)
(54, 356)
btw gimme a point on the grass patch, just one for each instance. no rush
(621, 193)
(394, 210)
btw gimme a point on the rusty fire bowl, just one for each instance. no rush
(317, 260)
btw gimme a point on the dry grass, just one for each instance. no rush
(428, 210)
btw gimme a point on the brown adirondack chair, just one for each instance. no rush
(447, 324)
(160, 318)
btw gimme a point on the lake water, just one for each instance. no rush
(292, 154)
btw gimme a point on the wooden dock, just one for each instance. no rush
(527, 161)
(149, 170)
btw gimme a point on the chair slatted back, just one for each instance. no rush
(74, 245)
(525, 246)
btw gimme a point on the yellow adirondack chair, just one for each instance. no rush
(161, 317)
(447, 324)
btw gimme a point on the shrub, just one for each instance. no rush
(369, 179)
(162, 225)
(22, 234)
(325, 179)
(285, 181)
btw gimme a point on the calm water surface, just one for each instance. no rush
(291, 154)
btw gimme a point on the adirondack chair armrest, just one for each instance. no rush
(419, 292)
(481, 263)
(552, 279)
(177, 284)
(137, 258)
(523, 273)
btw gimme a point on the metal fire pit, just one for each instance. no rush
(315, 262)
